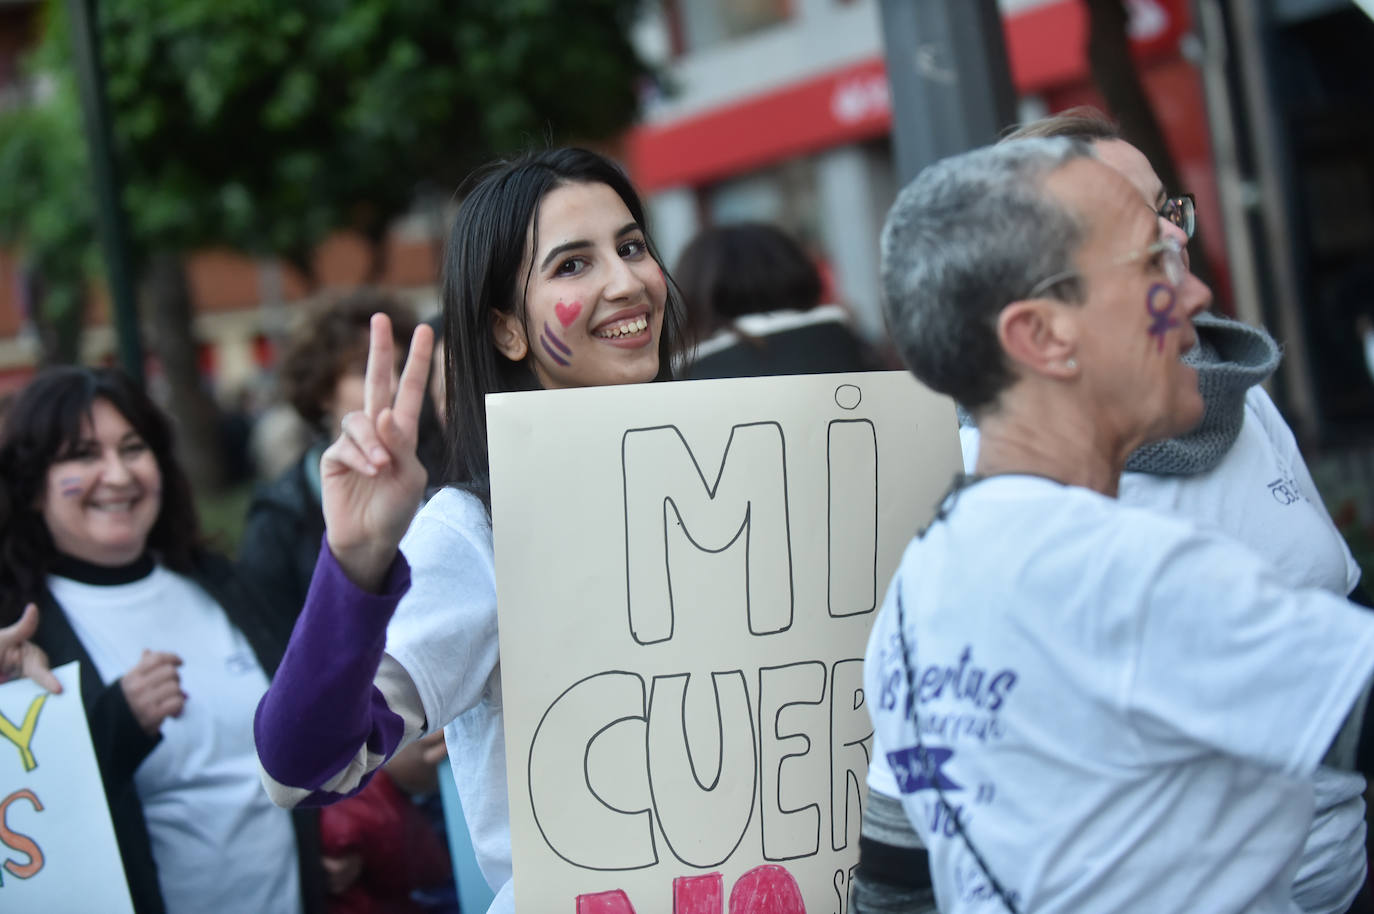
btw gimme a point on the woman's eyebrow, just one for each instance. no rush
(567, 246)
(553, 254)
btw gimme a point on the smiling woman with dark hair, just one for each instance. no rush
(97, 529)
(550, 281)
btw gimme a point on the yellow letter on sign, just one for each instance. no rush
(22, 736)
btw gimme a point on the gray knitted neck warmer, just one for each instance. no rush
(1230, 358)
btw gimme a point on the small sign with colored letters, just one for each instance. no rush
(57, 844)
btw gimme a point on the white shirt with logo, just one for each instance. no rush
(1106, 745)
(1262, 495)
(219, 842)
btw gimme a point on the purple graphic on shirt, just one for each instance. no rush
(918, 768)
(1162, 317)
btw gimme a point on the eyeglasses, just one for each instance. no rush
(1182, 212)
(1169, 250)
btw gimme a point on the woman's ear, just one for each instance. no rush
(508, 335)
(1040, 336)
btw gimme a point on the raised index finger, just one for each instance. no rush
(377, 383)
(410, 398)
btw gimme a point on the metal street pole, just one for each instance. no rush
(951, 84)
(110, 217)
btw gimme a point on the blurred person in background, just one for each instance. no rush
(1240, 471)
(437, 392)
(277, 440)
(321, 376)
(383, 853)
(753, 297)
(97, 528)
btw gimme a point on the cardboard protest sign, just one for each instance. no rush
(57, 845)
(686, 577)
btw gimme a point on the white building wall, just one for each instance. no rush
(673, 221)
(823, 35)
(850, 224)
(855, 184)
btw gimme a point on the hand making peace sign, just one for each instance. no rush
(370, 478)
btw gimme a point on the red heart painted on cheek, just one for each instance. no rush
(567, 313)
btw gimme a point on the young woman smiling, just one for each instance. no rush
(550, 280)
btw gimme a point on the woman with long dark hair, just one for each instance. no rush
(97, 528)
(550, 281)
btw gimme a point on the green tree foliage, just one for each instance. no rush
(266, 126)
(46, 214)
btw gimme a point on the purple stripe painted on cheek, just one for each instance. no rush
(562, 346)
(549, 349)
(70, 487)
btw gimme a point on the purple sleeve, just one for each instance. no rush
(322, 707)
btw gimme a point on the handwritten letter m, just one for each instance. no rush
(666, 488)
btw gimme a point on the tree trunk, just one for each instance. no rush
(1114, 73)
(57, 311)
(380, 254)
(195, 413)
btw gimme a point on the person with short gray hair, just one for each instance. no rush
(1065, 731)
(1219, 473)
(972, 233)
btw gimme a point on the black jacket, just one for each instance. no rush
(121, 745)
(796, 345)
(281, 540)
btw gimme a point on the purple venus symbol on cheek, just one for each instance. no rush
(554, 346)
(1160, 301)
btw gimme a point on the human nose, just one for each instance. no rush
(623, 281)
(114, 470)
(1195, 295)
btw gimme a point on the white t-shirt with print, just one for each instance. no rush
(219, 842)
(1109, 747)
(1262, 495)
